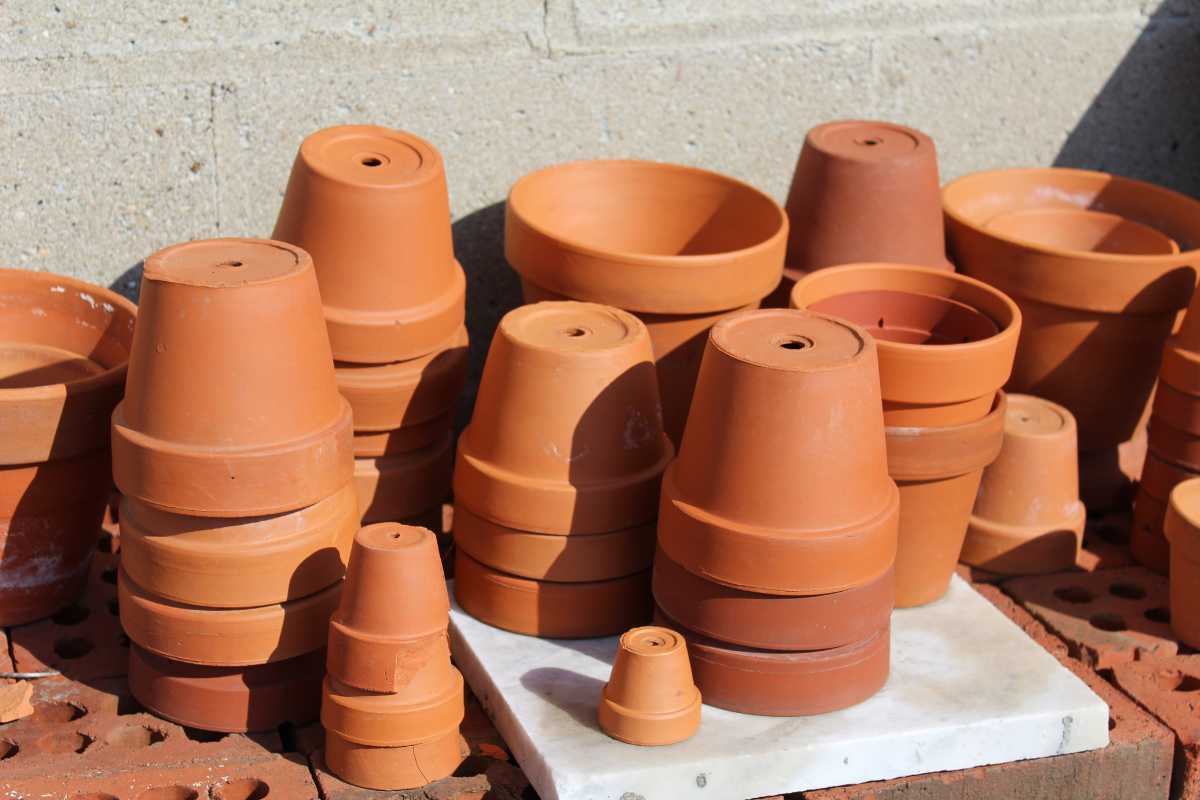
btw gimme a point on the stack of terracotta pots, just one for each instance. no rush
(232, 449)
(392, 703)
(778, 523)
(370, 205)
(679, 247)
(946, 345)
(556, 484)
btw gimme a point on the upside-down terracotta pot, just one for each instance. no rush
(391, 720)
(1183, 532)
(1147, 542)
(650, 698)
(1028, 519)
(678, 246)
(1173, 445)
(405, 767)
(405, 485)
(781, 484)
(1176, 408)
(946, 342)
(567, 435)
(206, 561)
(64, 345)
(231, 408)
(370, 205)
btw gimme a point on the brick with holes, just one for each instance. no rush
(1170, 689)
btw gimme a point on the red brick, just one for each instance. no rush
(1170, 689)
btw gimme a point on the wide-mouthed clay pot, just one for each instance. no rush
(405, 767)
(1028, 519)
(938, 471)
(370, 205)
(238, 562)
(650, 698)
(1082, 230)
(567, 434)
(231, 408)
(1147, 542)
(64, 345)
(404, 486)
(946, 342)
(229, 699)
(1183, 532)
(781, 484)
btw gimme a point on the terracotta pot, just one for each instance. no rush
(546, 556)
(1174, 445)
(771, 621)
(814, 517)
(228, 699)
(1081, 230)
(1028, 519)
(938, 471)
(650, 698)
(226, 637)
(387, 720)
(1177, 409)
(1092, 320)
(1147, 542)
(786, 684)
(239, 562)
(1183, 532)
(232, 408)
(946, 342)
(398, 441)
(547, 609)
(370, 205)
(584, 458)
(394, 767)
(403, 486)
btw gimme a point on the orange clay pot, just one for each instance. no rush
(1092, 319)
(1183, 532)
(1147, 542)
(946, 342)
(770, 621)
(1028, 519)
(370, 205)
(818, 515)
(650, 698)
(398, 441)
(551, 557)
(1174, 445)
(232, 408)
(583, 458)
(1177, 409)
(1081, 230)
(548, 609)
(239, 562)
(227, 637)
(228, 699)
(406, 767)
(402, 486)
(388, 720)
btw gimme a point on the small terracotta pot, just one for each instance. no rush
(406, 767)
(946, 342)
(650, 698)
(817, 516)
(1082, 230)
(206, 561)
(225, 637)
(403, 486)
(370, 205)
(1147, 541)
(1183, 532)
(584, 458)
(548, 609)
(771, 621)
(232, 408)
(552, 557)
(1028, 519)
(786, 684)
(228, 699)
(387, 720)
(398, 441)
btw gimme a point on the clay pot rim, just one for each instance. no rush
(251, 614)
(967, 446)
(409, 315)
(362, 375)
(532, 585)
(1147, 231)
(431, 160)
(1073, 521)
(151, 270)
(1182, 524)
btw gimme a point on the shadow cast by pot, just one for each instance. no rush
(575, 694)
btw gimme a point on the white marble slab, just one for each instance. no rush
(967, 688)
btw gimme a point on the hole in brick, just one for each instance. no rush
(1129, 591)
(1172, 680)
(134, 736)
(57, 712)
(1108, 622)
(109, 576)
(242, 789)
(71, 615)
(170, 793)
(62, 742)
(74, 647)
(8, 749)
(1074, 594)
(1158, 614)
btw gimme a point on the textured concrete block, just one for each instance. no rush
(1170, 689)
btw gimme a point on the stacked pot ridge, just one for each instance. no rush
(232, 449)
(557, 479)
(370, 204)
(778, 521)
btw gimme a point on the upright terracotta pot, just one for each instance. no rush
(1183, 532)
(1028, 519)
(781, 484)
(650, 697)
(946, 342)
(567, 435)
(678, 246)
(64, 345)
(370, 205)
(232, 409)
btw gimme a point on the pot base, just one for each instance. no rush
(394, 767)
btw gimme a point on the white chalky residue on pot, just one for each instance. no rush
(38, 312)
(552, 449)
(108, 307)
(58, 289)
(33, 573)
(87, 298)
(1081, 199)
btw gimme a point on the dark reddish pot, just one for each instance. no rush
(1174, 445)
(1183, 532)
(406, 767)
(650, 698)
(403, 486)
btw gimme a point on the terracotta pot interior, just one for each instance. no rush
(1082, 230)
(910, 318)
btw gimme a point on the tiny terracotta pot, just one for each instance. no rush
(584, 458)
(406, 767)
(228, 699)
(1147, 541)
(548, 609)
(1028, 519)
(771, 621)
(231, 409)
(817, 516)
(546, 556)
(650, 698)
(946, 342)
(388, 720)
(403, 486)
(1183, 532)
(225, 637)
(370, 205)
(786, 684)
